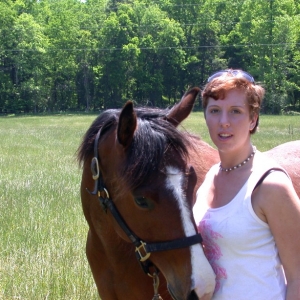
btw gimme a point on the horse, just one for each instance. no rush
(139, 182)
(137, 191)
(287, 155)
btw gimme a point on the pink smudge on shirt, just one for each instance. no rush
(212, 250)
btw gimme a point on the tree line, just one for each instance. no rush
(72, 55)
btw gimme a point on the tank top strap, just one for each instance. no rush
(262, 167)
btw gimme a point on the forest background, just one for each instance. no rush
(71, 55)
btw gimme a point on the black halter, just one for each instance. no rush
(142, 249)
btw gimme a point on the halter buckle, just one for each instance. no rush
(146, 255)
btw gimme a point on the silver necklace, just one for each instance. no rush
(239, 165)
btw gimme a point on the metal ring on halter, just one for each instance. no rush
(96, 171)
(107, 194)
(103, 197)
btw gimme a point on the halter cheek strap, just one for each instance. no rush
(143, 250)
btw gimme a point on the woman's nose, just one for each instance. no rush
(224, 120)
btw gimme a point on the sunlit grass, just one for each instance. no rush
(42, 228)
(273, 130)
(43, 232)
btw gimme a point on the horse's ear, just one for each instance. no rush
(181, 111)
(127, 124)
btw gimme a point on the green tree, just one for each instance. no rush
(95, 54)
(115, 44)
(29, 47)
(63, 31)
(7, 89)
(162, 56)
(270, 39)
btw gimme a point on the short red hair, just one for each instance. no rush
(219, 86)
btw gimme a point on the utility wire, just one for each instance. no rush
(185, 24)
(151, 48)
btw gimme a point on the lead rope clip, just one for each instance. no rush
(155, 286)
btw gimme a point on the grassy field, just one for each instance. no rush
(42, 228)
(273, 130)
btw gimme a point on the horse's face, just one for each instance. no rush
(156, 209)
(159, 210)
(152, 187)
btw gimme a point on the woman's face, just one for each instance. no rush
(228, 120)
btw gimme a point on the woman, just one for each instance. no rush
(250, 227)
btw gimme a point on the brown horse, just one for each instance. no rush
(140, 209)
(288, 156)
(140, 176)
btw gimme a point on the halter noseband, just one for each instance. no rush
(143, 250)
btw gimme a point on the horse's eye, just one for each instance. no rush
(143, 202)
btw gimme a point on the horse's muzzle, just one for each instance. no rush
(191, 296)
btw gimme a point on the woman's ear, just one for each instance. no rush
(253, 122)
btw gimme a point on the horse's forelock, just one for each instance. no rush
(153, 137)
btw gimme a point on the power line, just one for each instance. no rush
(151, 48)
(115, 7)
(184, 24)
(159, 3)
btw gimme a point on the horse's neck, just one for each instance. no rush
(202, 157)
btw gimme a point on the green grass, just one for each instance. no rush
(273, 130)
(42, 228)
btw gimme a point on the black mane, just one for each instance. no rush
(153, 137)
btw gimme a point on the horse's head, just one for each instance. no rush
(148, 187)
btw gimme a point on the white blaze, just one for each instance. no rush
(202, 275)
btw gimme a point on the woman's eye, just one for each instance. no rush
(143, 202)
(214, 111)
(236, 111)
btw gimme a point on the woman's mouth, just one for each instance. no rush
(225, 136)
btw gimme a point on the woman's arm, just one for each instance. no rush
(279, 206)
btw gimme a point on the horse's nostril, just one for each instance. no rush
(192, 296)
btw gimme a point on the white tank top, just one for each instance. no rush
(239, 246)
